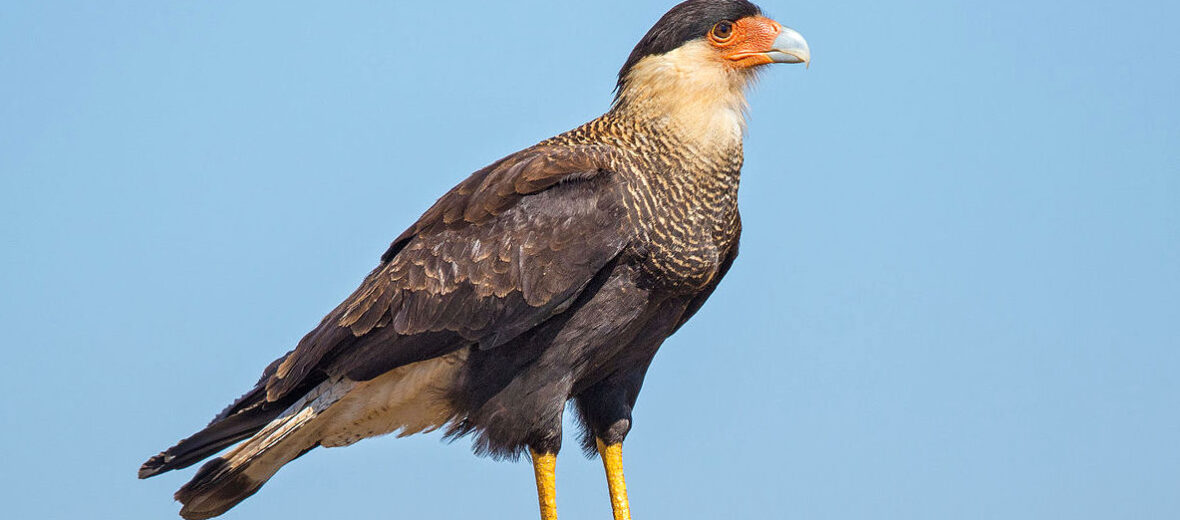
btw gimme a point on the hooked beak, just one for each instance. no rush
(789, 47)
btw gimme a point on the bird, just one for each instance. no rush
(550, 276)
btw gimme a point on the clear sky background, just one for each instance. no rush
(958, 294)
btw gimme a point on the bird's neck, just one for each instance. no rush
(701, 106)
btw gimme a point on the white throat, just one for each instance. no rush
(693, 91)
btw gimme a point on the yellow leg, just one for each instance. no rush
(612, 459)
(545, 468)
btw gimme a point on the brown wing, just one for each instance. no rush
(501, 252)
(504, 250)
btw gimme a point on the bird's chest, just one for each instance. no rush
(683, 231)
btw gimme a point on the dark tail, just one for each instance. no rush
(231, 478)
(271, 439)
(229, 427)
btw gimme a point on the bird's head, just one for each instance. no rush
(698, 59)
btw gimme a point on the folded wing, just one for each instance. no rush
(505, 250)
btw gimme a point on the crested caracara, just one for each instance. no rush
(551, 275)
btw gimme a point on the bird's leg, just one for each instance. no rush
(606, 410)
(545, 469)
(612, 460)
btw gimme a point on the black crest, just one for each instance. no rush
(686, 22)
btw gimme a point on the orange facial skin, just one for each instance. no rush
(749, 41)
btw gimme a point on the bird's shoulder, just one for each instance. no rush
(489, 192)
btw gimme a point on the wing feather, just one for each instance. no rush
(503, 251)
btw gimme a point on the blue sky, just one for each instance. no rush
(958, 294)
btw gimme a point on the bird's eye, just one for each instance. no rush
(722, 31)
